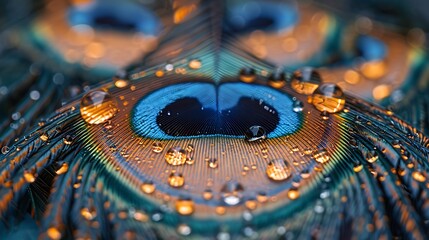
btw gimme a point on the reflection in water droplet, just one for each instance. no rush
(176, 180)
(329, 97)
(175, 156)
(195, 64)
(247, 75)
(297, 106)
(232, 193)
(148, 187)
(321, 156)
(255, 133)
(293, 194)
(157, 147)
(278, 170)
(305, 80)
(185, 206)
(97, 107)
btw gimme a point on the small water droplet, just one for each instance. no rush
(189, 148)
(357, 167)
(207, 194)
(232, 193)
(278, 170)
(190, 160)
(157, 147)
(29, 176)
(184, 230)
(88, 214)
(305, 80)
(262, 197)
(185, 206)
(277, 79)
(148, 187)
(324, 115)
(175, 156)
(321, 156)
(255, 133)
(176, 180)
(63, 169)
(213, 163)
(5, 149)
(97, 107)
(297, 106)
(44, 137)
(120, 83)
(68, 140)
(371, 156)
(247, 74)
(418, 176)
(251, 204)
(195, 64)
(328, 97)
(293, 194)
(53, 233)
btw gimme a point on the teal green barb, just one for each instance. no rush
(138, 156)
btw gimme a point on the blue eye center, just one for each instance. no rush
(203, 109)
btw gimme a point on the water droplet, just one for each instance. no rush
(5, 149)
(68, 140)
(277, 79)
(63, 169)
(195, 64)
(247, 75)
(97, 107)
(44, 137)
(88, 214)
(418, 176)
(175, 156)
(251, 204)
(255, 133)
(321, 156)
(184, 230)
(207, 194)
(213, 163)
(278, 170)
(53, 233)
(232, 193)
(157, 147)
(29, 176)
(357, 167)
(189, 148)
(305, 81)
(176, 180)
(371, 156)
(148, 187)
(190, 160)
(185, 206)
(297, 106)
(324, 115)
(262, 197)
(121, 83)
(293, 194)
(328, 97)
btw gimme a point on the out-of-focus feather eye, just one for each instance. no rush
(189, 110)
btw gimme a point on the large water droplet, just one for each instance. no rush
(418, 176)
(278, 170)
(175, 156)
(176, 180)
(185, 206)
(305, 80)
(232, 193)
(247, 74)
(329, 97)
(97, 107)
(255, 133)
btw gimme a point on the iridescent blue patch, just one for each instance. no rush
(190, 110)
